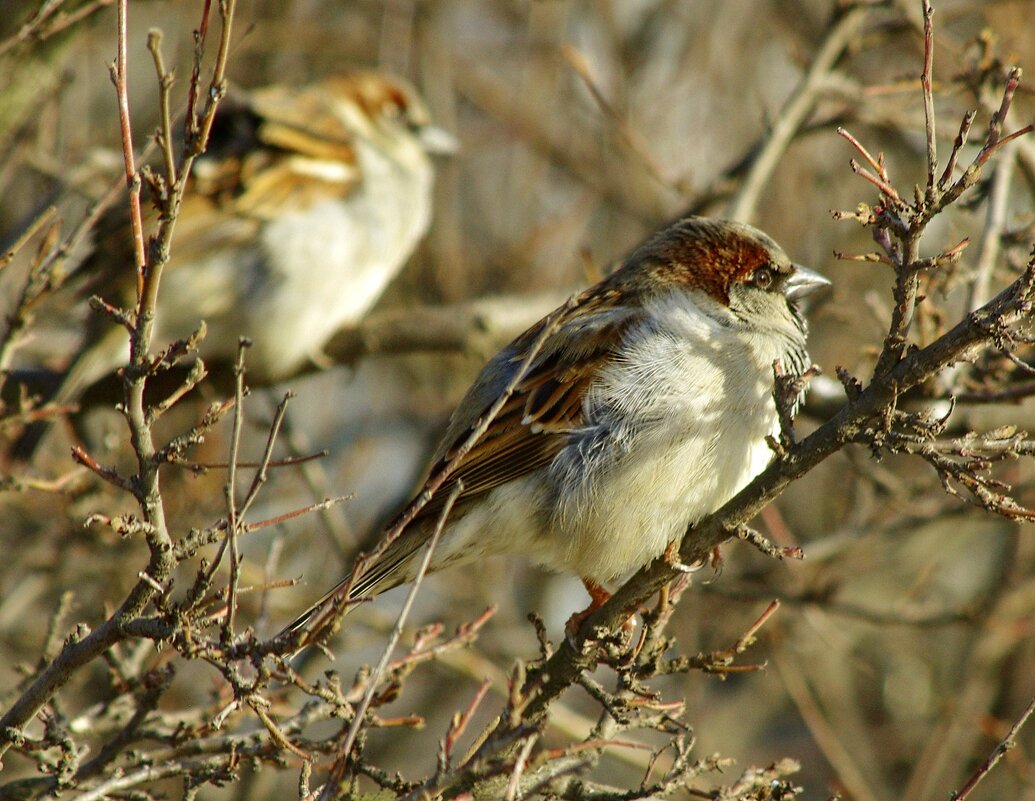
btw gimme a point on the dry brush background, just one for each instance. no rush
(904, 647)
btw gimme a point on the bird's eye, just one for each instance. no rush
(763, 277)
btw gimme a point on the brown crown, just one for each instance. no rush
(706, 254)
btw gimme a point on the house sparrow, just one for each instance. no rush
(645, 409)
(306, 204)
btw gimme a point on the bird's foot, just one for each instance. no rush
(322, 360)
(671, 557)
(599, 596)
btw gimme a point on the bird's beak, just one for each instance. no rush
(802, 282)
(437, 141)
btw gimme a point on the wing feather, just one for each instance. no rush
(542, 414)
(277, 148)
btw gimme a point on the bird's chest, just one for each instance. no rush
(678, 427)
(693, 423)
(324, 266)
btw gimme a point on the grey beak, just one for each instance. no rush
(802, 282)
(437, 141)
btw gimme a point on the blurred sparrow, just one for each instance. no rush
(307, 203)
(644, 410)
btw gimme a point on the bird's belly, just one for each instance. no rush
(678, 431)
(332, 265)
(649, 498)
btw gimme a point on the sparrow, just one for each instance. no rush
(635, 411)
(306, 204)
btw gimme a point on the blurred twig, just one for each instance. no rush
(50, 19)
(842, 32)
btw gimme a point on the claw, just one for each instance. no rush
(599, 597)
(672, 558)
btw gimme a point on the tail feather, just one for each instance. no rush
(324, 618)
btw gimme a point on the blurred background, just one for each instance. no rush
(904, 647)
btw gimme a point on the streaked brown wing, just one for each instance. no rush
(304, 121)
(291, 183)
(275, 149)
(539, 418)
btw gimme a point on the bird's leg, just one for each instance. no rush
(599, 597)
(671, 557)
(321, 359)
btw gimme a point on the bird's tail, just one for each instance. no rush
(324, 618)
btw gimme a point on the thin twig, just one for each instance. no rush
(514, 783)
(925, 83)
(992, 233)
(262, 471)
(165, 81)
(339, 772)
(287, 461)
(30, 231)
(36, 29)
(121, 81)
(626, 132)
(1004, 745)
(957, 147)
(229, 489)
